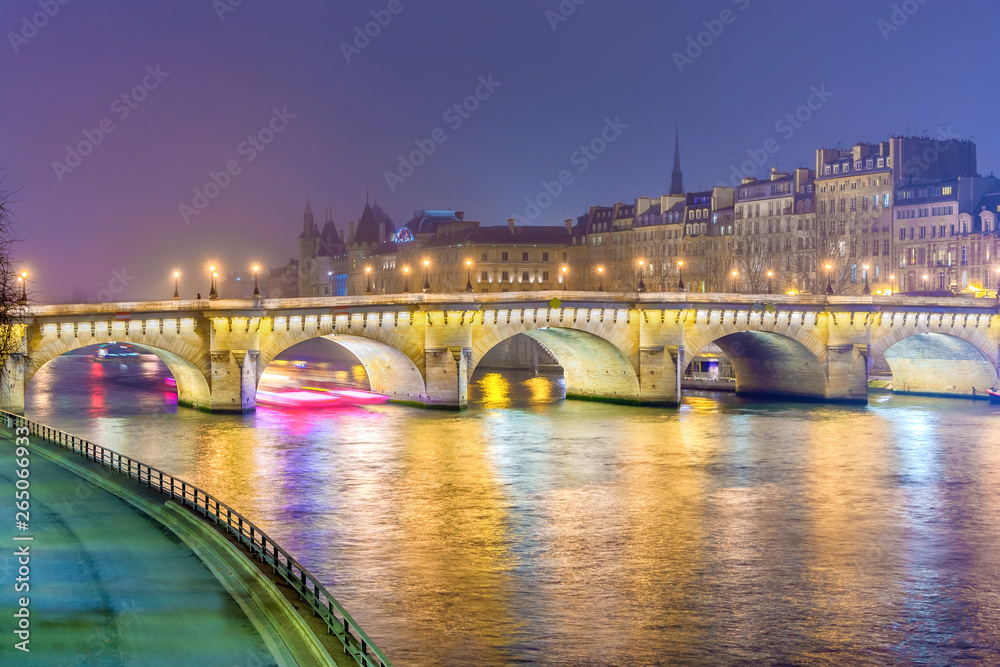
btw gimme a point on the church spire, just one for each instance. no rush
(676, 178)
(308, 226)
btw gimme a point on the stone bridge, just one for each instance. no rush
(630, 348)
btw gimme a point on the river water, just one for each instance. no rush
(533, 530)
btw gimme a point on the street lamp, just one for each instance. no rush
(256, 292)
(427, 282)
(829, 286)
(892, 283)
(212, 292)
(868, 290)
(600, 279)
(735, 275)
(406, 280)
(177, 295)
(925, 282)
(368, 281)
(23, 279)
(468, 270)
(565, 278)
(680, 275)
(642, 285)
(770, 274)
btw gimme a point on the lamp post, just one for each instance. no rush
(867, 290)
(892, 284)
(256, 291)
(177, 294)
(925, 282)
(427, 282)
(23, 279)
(212, 293)
(368, 280)
(565, 278)
(406, 280)
(770, 274)
(642, 285)
(680, 275)
(735, 276)
(829, 286)
(600, 279)
(468, 270)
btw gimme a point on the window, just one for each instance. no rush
(524, 276)
(485, 275)
(545, 256)
(545, 276)
(505, 276)
(875, 247)
(922, 256)
(524, 257)
(946, 191)
(485, 256)
(503, 257)
(902, 234)
(885, 247)
(565, 256)
(854, 203)
(923, 232)
(885, 200)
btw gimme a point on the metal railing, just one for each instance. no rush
(356, 643)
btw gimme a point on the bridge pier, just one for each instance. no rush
(447, 377)
(13, 385)
(233, 381)
(847, 373)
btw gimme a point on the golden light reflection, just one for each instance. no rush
(539, 388)
(495, 391)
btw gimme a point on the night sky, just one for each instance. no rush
(215, 74)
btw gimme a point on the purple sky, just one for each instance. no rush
(118, 210)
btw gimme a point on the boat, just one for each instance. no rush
(352, 396)
(297, 399)
(994, 395)
(114, 352)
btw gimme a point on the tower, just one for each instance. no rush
(308, 246)
(676, 178)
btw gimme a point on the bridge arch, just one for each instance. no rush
(941, 363)
(769, 357)
(193, 388)
(390, 370)
(593, 366)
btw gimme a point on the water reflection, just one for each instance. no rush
(535, 530)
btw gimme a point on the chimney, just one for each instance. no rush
(342, 233)
(569, 225)
(460, 215)
(350, 235)
(381, 232)
(510, 223)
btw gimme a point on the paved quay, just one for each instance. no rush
(112, 585)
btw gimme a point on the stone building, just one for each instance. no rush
(941, 239)
(775, 233)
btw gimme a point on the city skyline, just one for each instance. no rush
(330, 121)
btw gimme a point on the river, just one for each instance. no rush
(530, 529)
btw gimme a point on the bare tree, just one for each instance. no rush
(755, 256)
(13, 301)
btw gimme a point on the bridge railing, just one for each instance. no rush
(356, 643)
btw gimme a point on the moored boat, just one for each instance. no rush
(994, 395)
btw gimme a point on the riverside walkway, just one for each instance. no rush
(111, 584)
